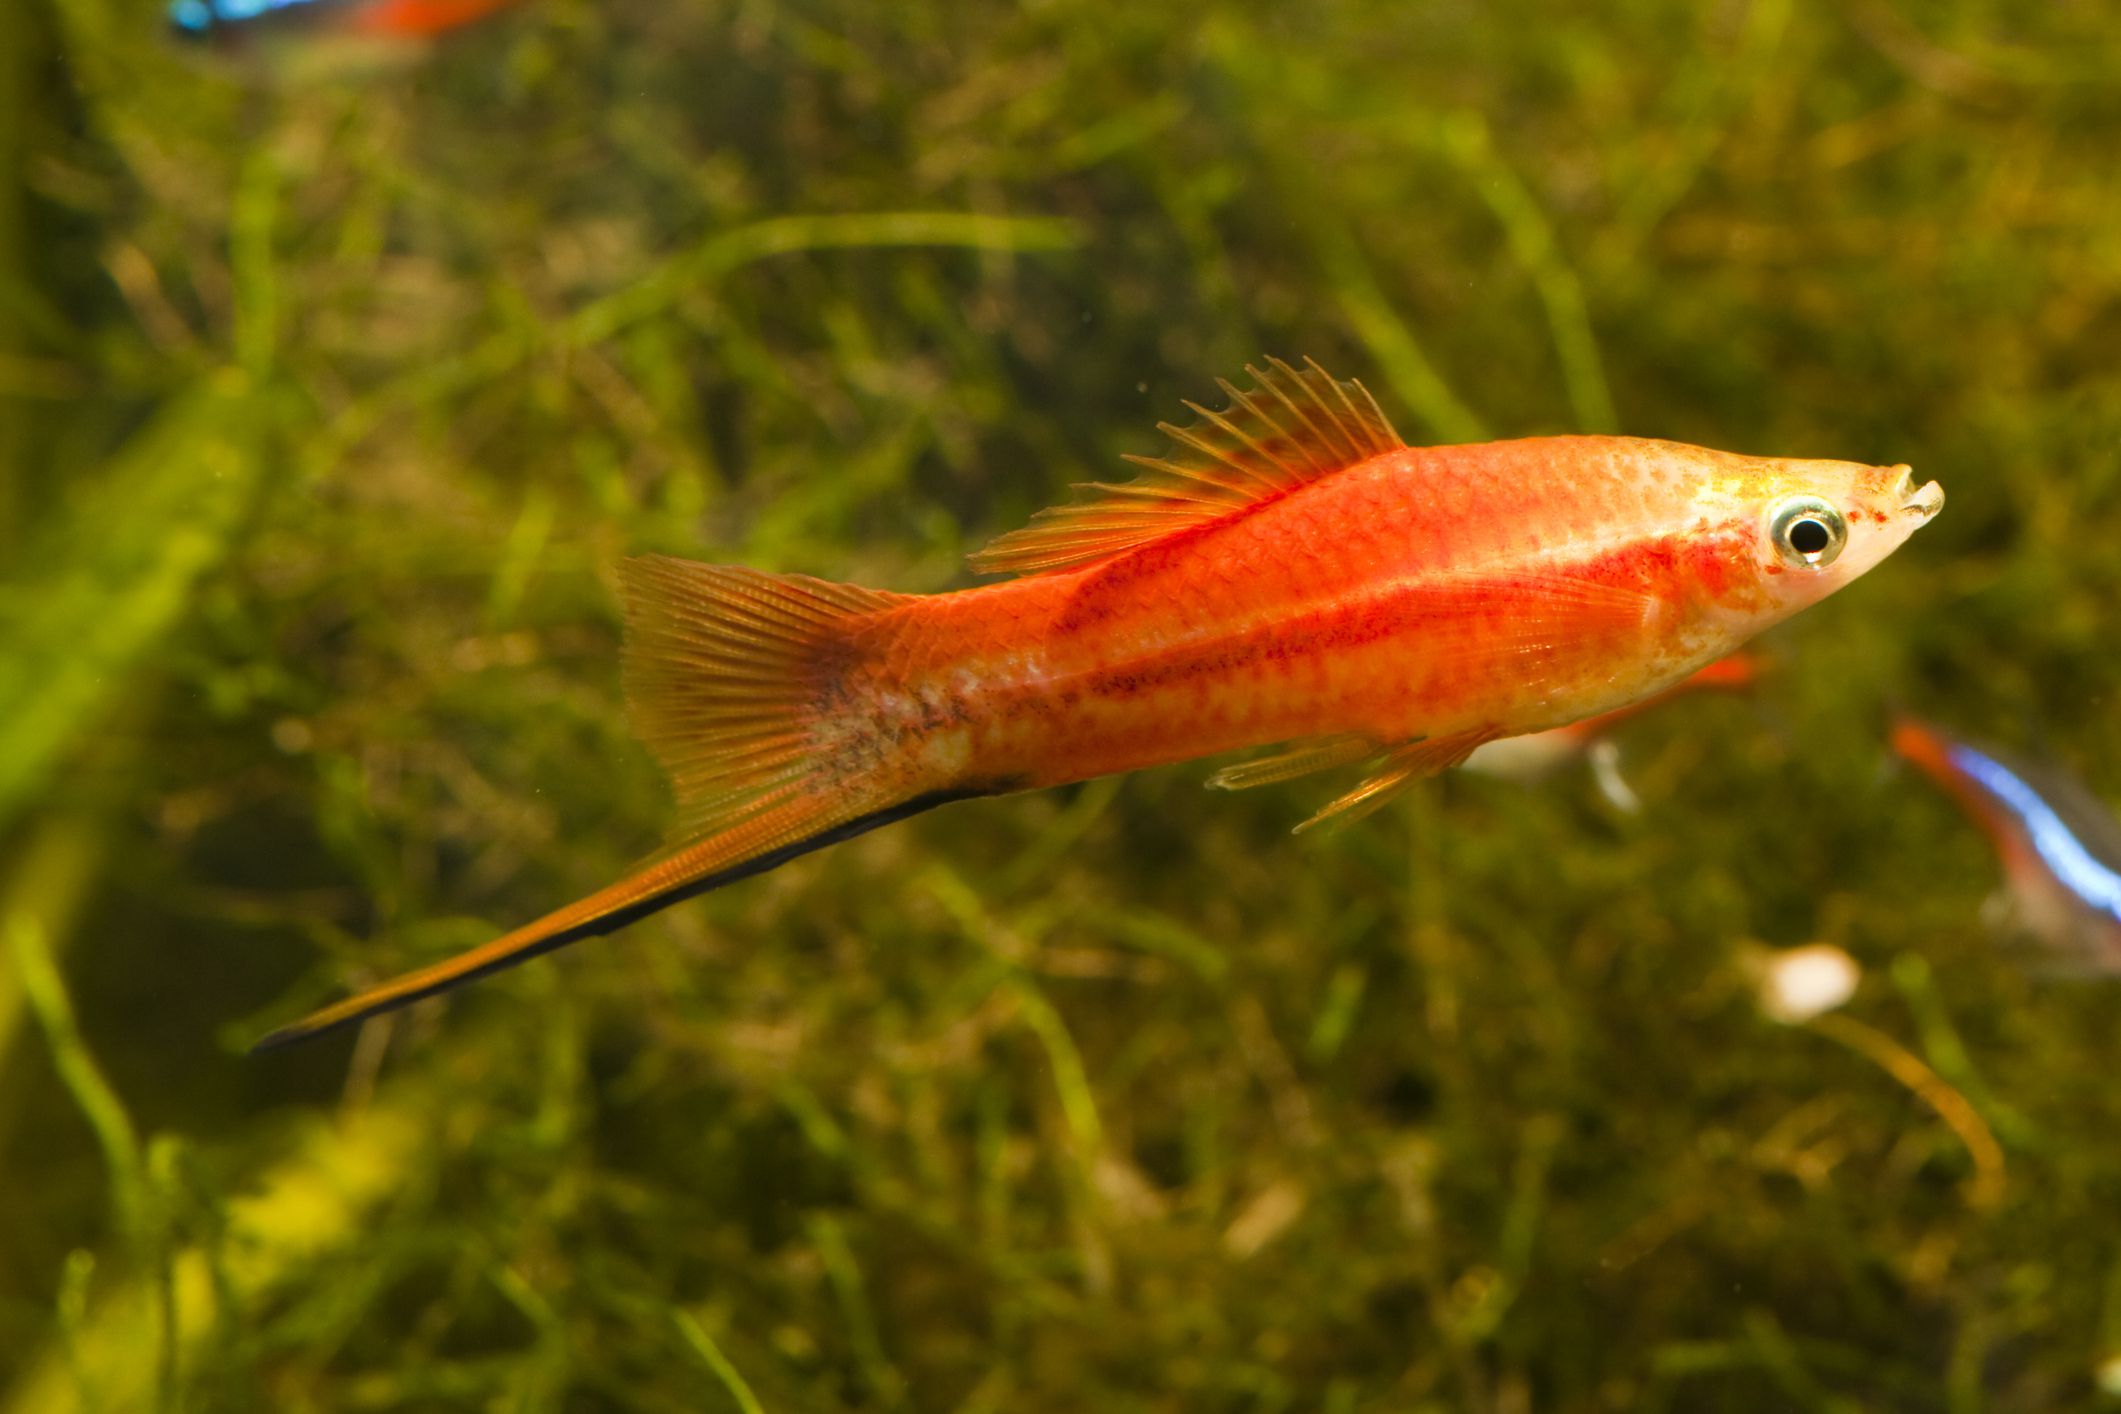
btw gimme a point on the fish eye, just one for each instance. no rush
(1808, 532)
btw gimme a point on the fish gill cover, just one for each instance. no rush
(329, 405)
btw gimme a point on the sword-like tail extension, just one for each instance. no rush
(735, 679)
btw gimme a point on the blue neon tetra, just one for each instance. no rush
(2059, 845)
(226, 21)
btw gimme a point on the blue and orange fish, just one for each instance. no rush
(237, 22)
(2059, 845)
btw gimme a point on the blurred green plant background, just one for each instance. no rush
(328, 402)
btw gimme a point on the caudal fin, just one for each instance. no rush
(727, 673)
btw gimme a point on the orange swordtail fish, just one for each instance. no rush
(1291, 572)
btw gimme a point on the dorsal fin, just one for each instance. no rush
(1293, 427)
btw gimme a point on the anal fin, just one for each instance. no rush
(1401, 768)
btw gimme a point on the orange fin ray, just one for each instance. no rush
(1299, 759)
(1402, 768)
(1291, 428)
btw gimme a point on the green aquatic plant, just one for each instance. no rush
(326, 407)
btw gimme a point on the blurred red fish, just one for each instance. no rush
(1292, 573)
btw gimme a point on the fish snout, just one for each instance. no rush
(1924, 500)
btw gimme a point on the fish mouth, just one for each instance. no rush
(1924, 500)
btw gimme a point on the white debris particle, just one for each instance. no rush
(1799, 983)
